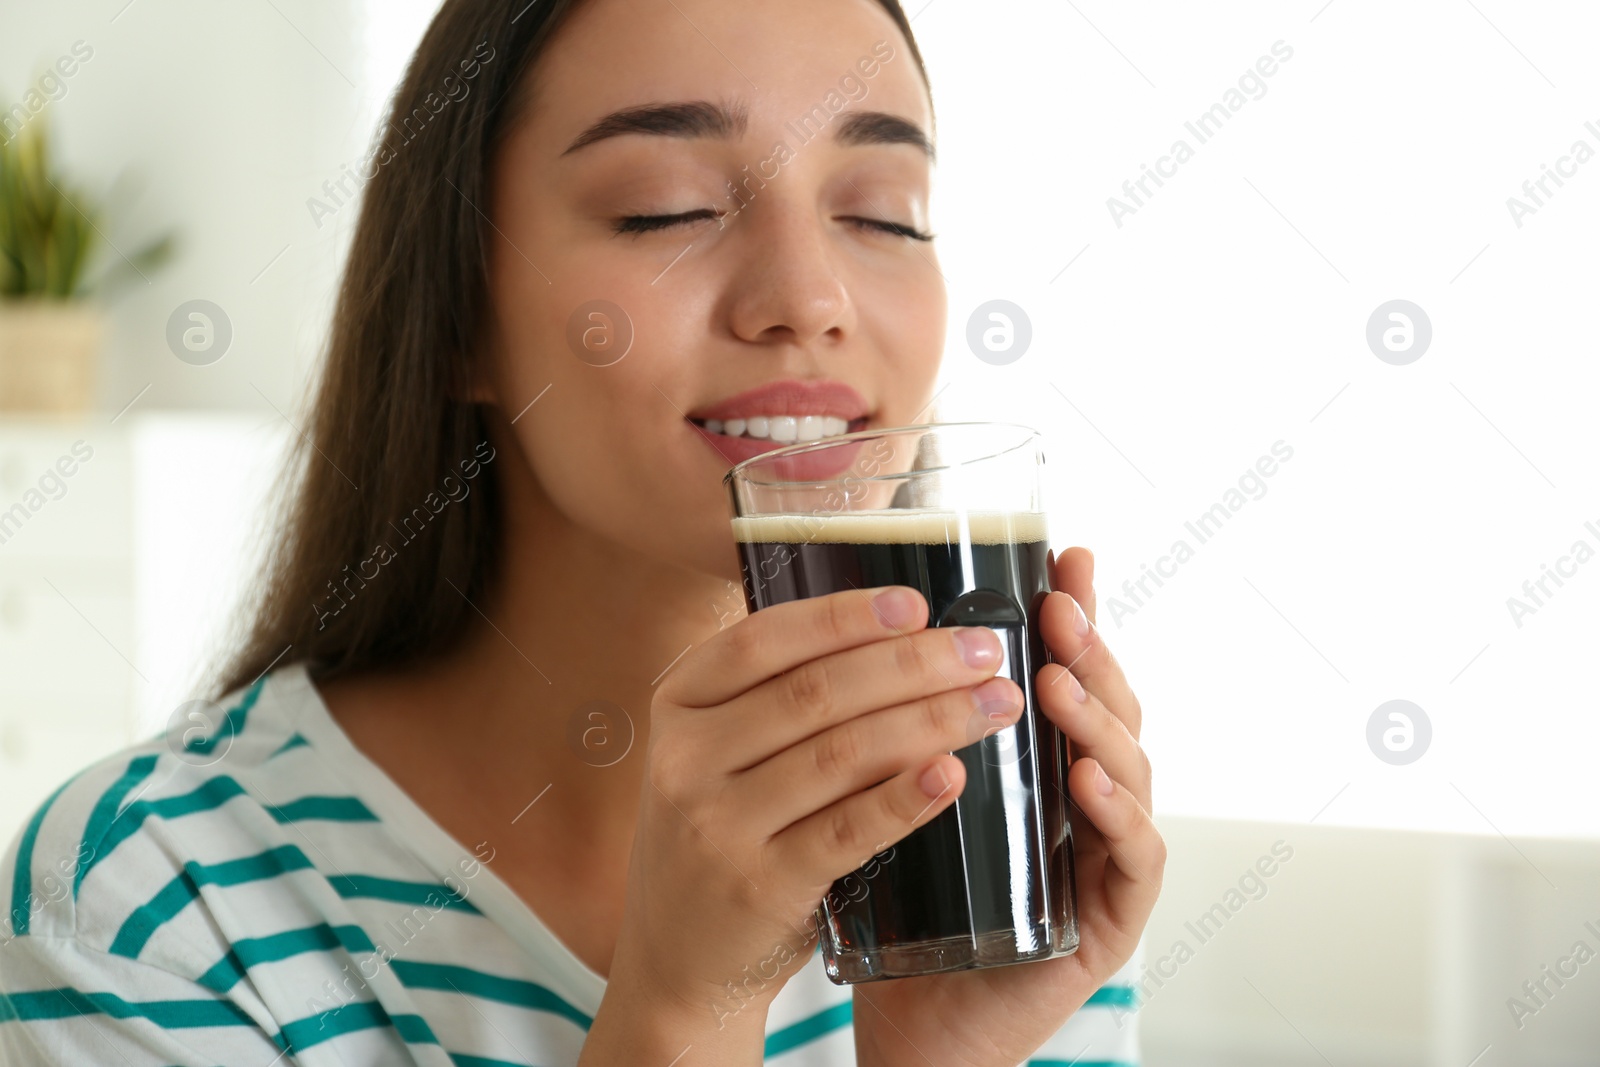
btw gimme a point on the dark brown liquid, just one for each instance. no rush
(997, 861)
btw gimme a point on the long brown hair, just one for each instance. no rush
(394, 514)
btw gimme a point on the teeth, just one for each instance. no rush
(781, 428)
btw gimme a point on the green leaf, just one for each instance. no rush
(49, 229)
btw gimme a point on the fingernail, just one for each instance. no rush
(1077, 690)
(933, 782)
(1080, 622)
(996, 696)
(978, 646)
(896, 607)
(1102, 784)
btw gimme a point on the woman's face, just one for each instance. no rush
(747, 220)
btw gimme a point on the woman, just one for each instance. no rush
(504, 776)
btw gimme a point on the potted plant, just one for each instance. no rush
(51, 321)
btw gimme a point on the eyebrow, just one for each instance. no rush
(701, 118)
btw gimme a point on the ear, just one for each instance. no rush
(478, 389)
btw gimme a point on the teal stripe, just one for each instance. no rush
(120, 830)
(209, 796)
(1115, 996)
(105, 812)
(297, 741)
(232, 724)
(830, 1019)
(22, 876)
(46, 1004)
(337, 809)
(371, 887)
(808, 1029)
(461, 1059)
(313, 1030)
(414, 1029)
(488, 986)
(255, 951)
(173, 897)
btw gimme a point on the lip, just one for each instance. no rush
(790, 396)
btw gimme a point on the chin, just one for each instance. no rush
(715, 555)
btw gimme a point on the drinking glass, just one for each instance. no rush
(953, 510)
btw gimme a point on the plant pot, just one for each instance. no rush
(49, 355)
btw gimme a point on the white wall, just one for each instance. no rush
(224, 119)
(1210, 325)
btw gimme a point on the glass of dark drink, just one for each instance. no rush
(954, 511)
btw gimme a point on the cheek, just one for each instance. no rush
(607, 442)
(907, 319)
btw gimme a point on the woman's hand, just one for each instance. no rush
(785, 752)
(1000, 1015)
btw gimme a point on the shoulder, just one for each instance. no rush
(98, 882)
(159, 817)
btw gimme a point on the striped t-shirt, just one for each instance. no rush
(260, 893)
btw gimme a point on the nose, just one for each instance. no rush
(788, 288)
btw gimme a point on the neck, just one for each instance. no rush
(552, 686)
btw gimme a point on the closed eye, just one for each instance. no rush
(885, 226)
(649, 223)
(637, 224)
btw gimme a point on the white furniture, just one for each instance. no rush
(118, 581)
(66, 603)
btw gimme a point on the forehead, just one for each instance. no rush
(781, 58)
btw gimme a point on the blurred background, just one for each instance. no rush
(1302, 295)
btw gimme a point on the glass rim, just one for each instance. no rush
(741, 469)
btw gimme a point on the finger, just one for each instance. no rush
(863, 751)
(836, 840)
(822, 693)
(1094, 731)
(768, 642)
(1136, 853)
(1072, 572)
(1080, 647)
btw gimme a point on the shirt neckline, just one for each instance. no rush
(430, 842)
